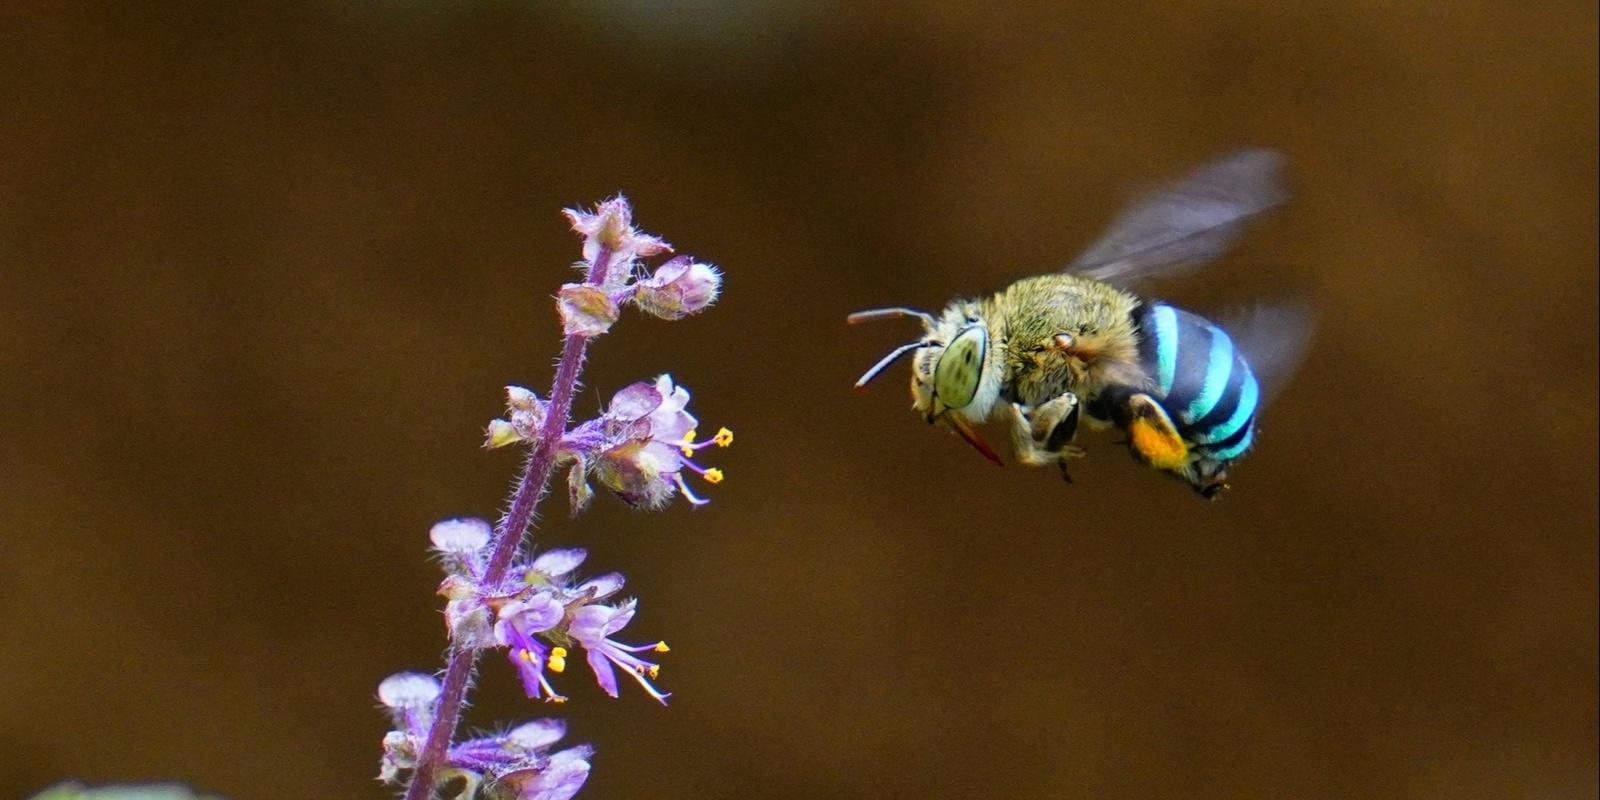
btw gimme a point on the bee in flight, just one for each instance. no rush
(1065, 346)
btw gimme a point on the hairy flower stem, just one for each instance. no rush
(508, 535)
(457, 677)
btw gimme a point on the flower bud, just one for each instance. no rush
(501, 433)
(520, 399)
(610, 228)
(679, 288)
(585, 310)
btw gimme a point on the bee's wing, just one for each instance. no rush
(1187, 224)
(1274, 339)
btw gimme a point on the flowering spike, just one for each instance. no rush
(499, 593)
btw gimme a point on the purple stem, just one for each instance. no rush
(508, 536)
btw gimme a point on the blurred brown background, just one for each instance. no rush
(265, 265)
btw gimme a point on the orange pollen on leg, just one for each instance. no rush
(1160, 447)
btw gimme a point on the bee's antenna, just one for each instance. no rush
(875, 314)
(886, 361)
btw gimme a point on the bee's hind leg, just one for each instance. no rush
(1154, 440)
(1043, 434)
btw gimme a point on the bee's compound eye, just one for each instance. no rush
(955, 379)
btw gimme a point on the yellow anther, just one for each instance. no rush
(526, 655)
(688, 439)
(558, 659)
(557, 699)
(654, 670)
(713, 475)
(661, 647)
(723, 438)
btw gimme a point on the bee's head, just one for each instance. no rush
(953, 377)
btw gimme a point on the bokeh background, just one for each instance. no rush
(265, 265)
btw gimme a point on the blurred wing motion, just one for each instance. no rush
(1187, 224)
(1274, 339)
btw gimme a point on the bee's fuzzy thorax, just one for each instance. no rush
(1066, 333)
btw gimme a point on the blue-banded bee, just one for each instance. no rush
(1076, 344)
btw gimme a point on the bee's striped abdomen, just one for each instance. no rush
(1201, 378)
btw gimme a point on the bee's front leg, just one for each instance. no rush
(1043, 434)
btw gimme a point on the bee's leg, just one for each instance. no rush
(1154, 440)
(1151, 435)
(1022, 441)
(1043, 434)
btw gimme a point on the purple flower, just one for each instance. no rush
(593, 626)
(559, 778)
(640, 447)
(521, 621)
(521, 746)
(538, 617)
(514, 765)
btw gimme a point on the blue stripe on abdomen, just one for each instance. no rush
(1232, 451)
(1202, 380)
(1219, 367)
(1244, 411)
(1166, 341)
